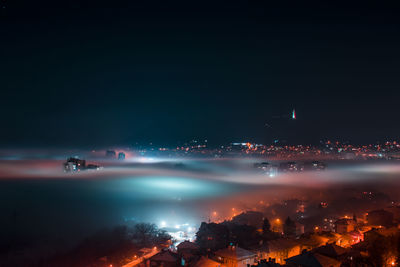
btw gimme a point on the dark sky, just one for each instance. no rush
(94, 74)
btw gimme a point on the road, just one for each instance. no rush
(143, 258)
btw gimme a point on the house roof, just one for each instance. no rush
(311, 259)
(361, 246)
(331, 250)
(165, 256)
(206, 262)
(235, 253)
(326, 261)
(345, 221)
(281, 244)
(187, 245)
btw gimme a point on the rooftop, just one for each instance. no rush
(313, 259)
(187, 245)
(206, 262)
(236, 253)
(165, 256)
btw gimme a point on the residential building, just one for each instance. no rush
(234, 256)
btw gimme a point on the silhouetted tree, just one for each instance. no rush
(146, 234)
(114, 243)
(252, 218)
(244, 235)
(266, 225)
(212, 236)
(289, 227)
(376, 251)
(383, 250)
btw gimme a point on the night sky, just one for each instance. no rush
(98, 74)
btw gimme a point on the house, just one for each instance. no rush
(234, 256)
(74, 165)
(344, 225)
(188, 252)
(312, 259)
(314, 240)
(165, 258)
(283, 248)
(331, 250)
(187, 246)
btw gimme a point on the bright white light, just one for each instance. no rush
(145, 160)
(163, 224)
(177, 226)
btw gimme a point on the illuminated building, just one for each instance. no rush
(267, 168)
(290, 166)
(283, 248)
(206, 262)
(188, 251)
(234, 256)
(344, 225)
(164, 258)
(121, 155)
(74, 165)
(77, 165)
